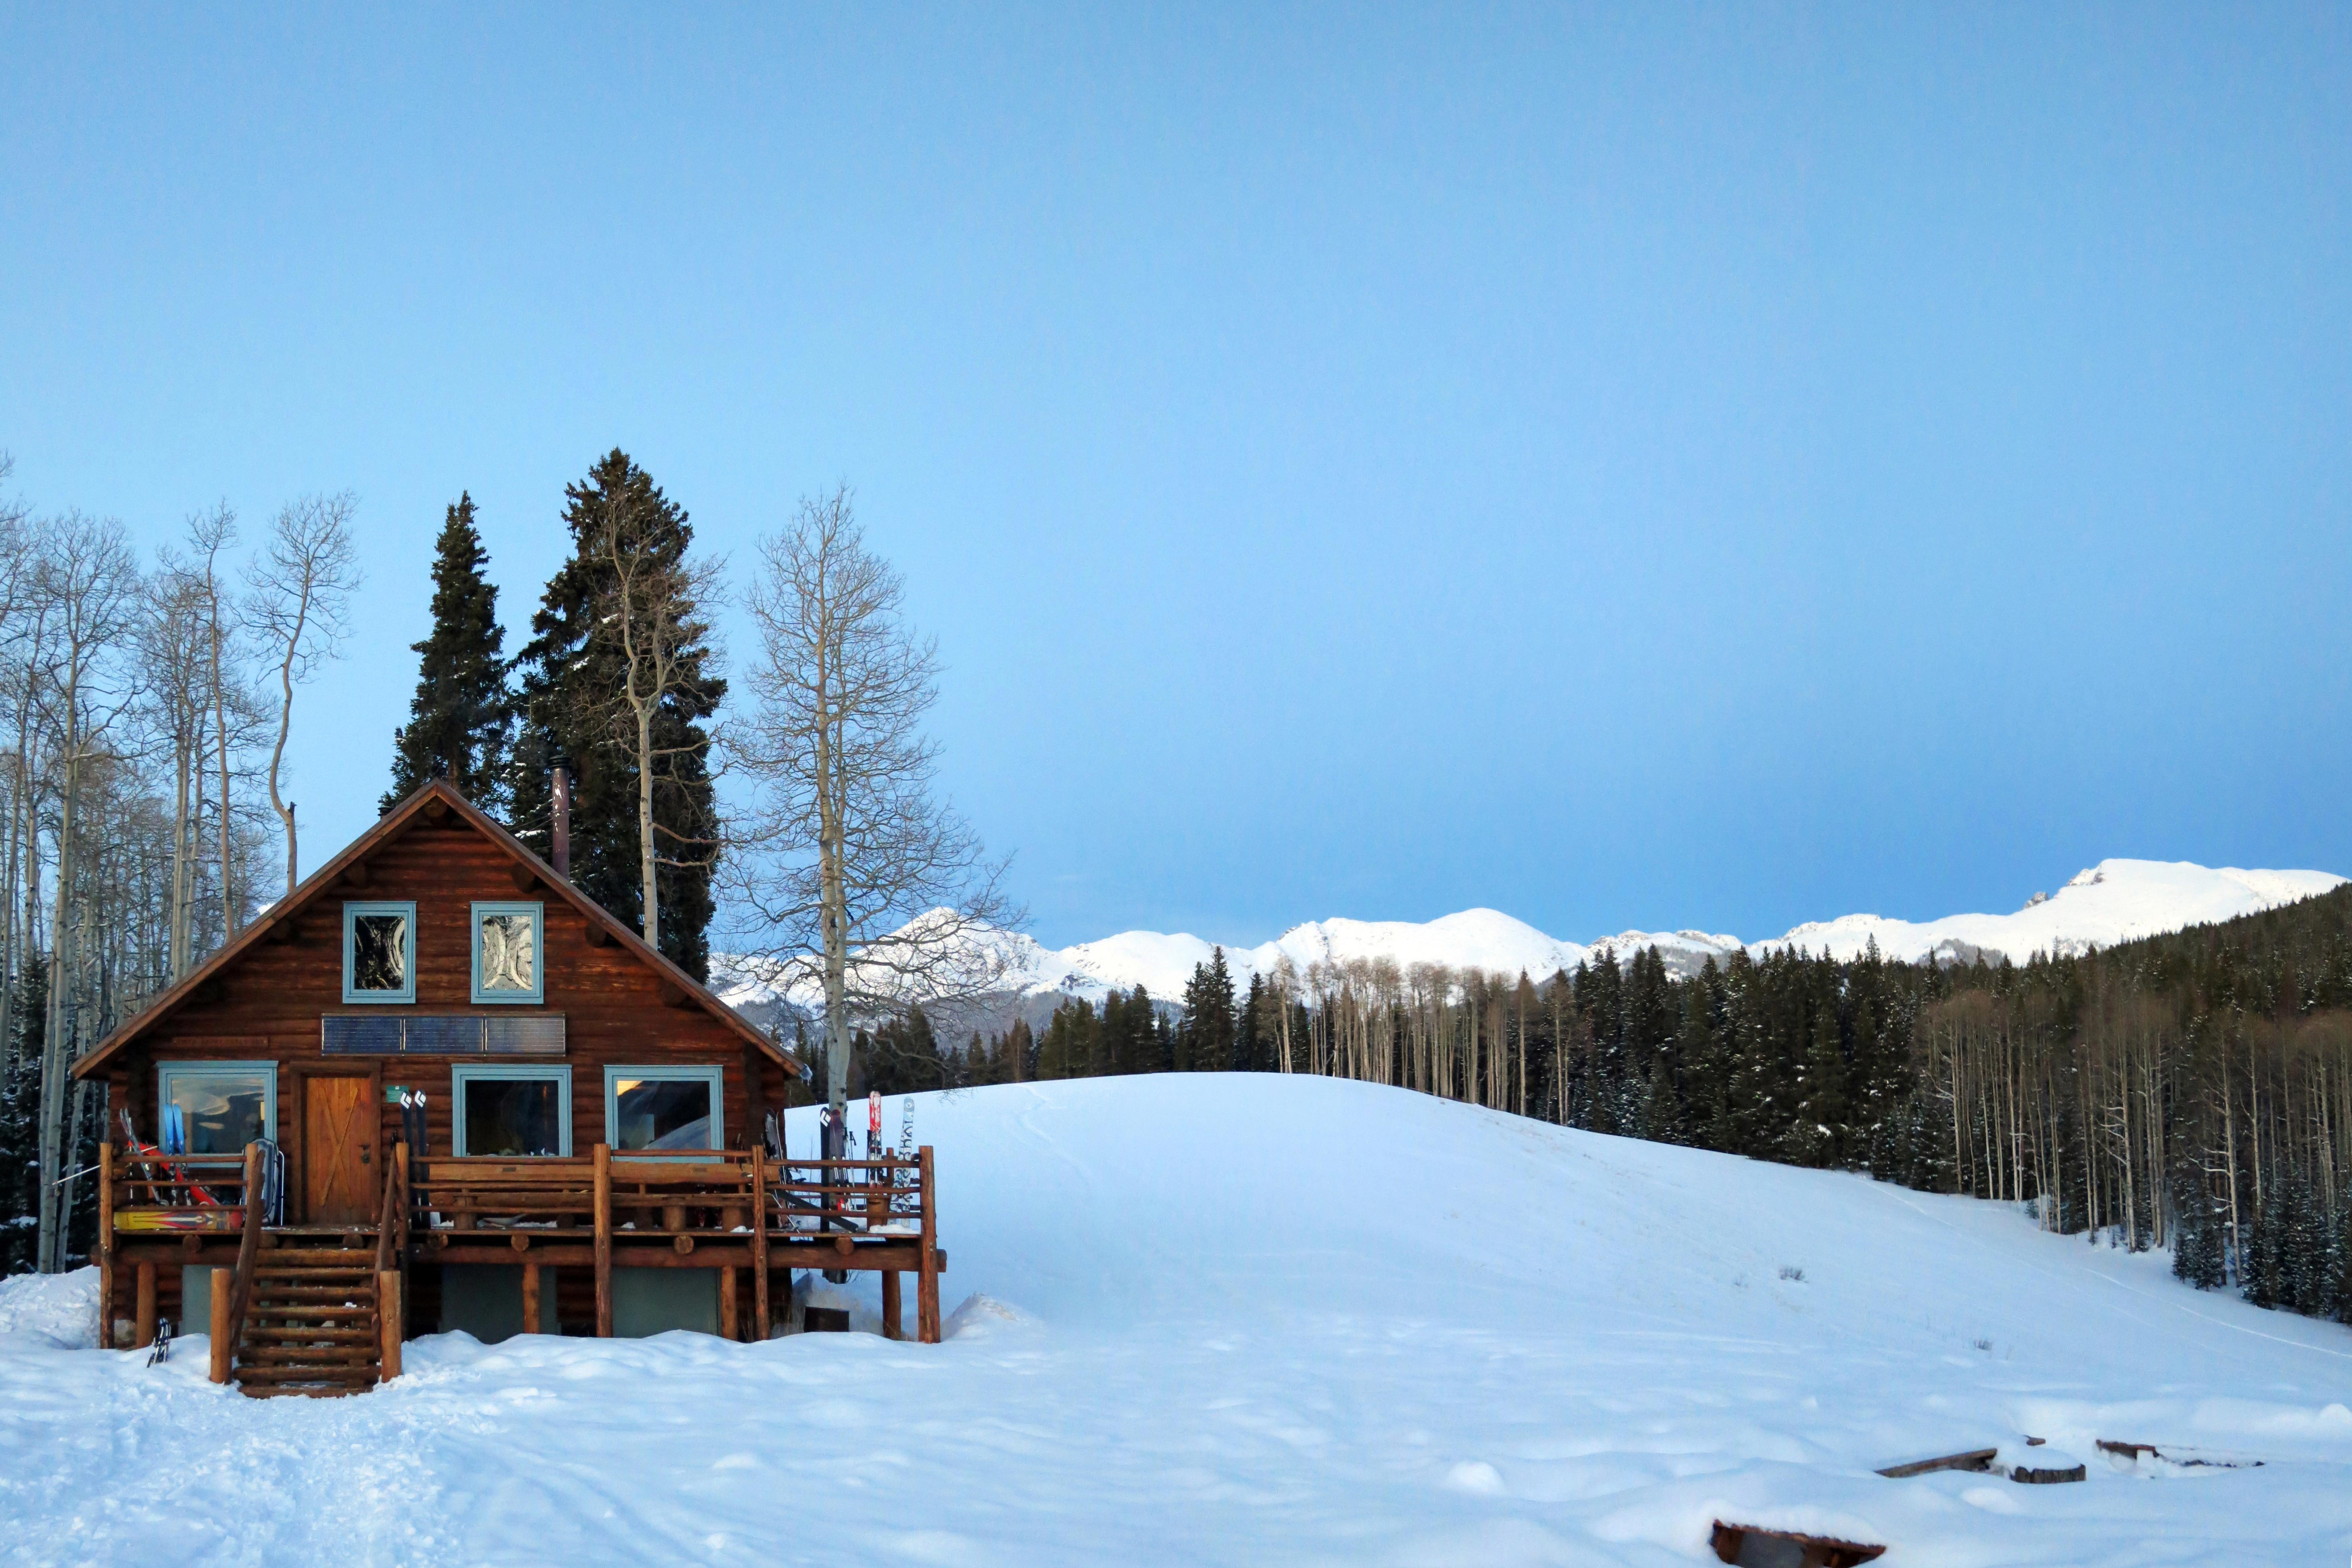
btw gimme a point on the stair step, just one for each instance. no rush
(307, 1334)
(310, 1271)
(307, 1355)
(265, 1291)
(362, 1375)
(338, 1256)
(266, 1391)
(308, 1314)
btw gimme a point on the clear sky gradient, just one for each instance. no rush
(1632, 466)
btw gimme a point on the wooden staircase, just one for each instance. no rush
(313, 1324)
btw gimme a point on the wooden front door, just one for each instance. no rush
(339, 1175)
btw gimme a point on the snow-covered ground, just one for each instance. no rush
(2113, 901)
(1255, 1319)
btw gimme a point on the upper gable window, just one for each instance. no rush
(380, 952)
(508, 942)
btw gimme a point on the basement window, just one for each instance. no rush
(222, 1105)
(379, 952)
(506, 943)
(663, 1108)
(512, 1113)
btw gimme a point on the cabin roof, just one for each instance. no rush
(434, 801)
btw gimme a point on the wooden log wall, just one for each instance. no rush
(267, 1005)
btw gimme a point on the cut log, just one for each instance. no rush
(2046, 1475)
(1752, 1547)
(1974, 1460)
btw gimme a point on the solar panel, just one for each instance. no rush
(442, 1035)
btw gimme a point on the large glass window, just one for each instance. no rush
(380, 952)
(217, 1107)
(663, 1108)
(512, 1111)
(507, 941)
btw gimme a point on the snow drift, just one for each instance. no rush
(1211, 1318)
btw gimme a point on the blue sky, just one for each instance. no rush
(1629, 467)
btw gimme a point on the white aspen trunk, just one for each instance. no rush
(181, 867)
(645, 856)
(229, 909)
(50, 1240)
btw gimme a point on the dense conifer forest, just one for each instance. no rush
(2191, 1091)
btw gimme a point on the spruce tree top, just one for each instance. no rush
(461, 720)
(564, 675)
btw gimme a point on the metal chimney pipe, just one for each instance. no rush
(564, 823)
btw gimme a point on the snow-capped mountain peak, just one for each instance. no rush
(2113, 901)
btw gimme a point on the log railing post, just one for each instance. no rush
(388, 1311)
(142, 1333)
(222, 1334)
(228, 1325)
(400, 1164)
(604, 1241)
(530, 1298)
(387, 1219)
(927, 1289)
(891, 1328)
(106, 1244)
(762, 1323)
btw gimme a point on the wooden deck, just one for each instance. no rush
(315, 1310)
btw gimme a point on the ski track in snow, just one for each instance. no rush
(1277, 1320)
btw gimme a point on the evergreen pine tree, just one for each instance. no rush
(1252, 1041)
(1070, 1041)
(568, 669)
(1205, 1041)
(461, 720)
(1817, 1130)
(2196, 1235)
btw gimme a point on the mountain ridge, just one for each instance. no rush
(2117, 900)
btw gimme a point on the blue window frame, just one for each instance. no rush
(223, 1105)
(380, 952)
(509, 953)
(663, 1108)
(515, 1111)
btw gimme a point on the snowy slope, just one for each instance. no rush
(1280, 1321)
(2113, 901)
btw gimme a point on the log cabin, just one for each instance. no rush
(437, 1087)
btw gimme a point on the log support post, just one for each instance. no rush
(530, 1298)
(927, 1289)
(890, 1326)
(729, 1305)
(762, 1322)
(105, 1245)
(604, 1241)
(388, 1319)
(221, 1347)
(143, 1334)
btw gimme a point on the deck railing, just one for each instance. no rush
(145, 1200)
(721, 1209)
(173, 1193)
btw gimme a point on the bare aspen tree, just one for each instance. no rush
(174, 653)
(209, 534)
(299, 606)
(853, 872)
(90, 585)
(23, 622)
(652, 617)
